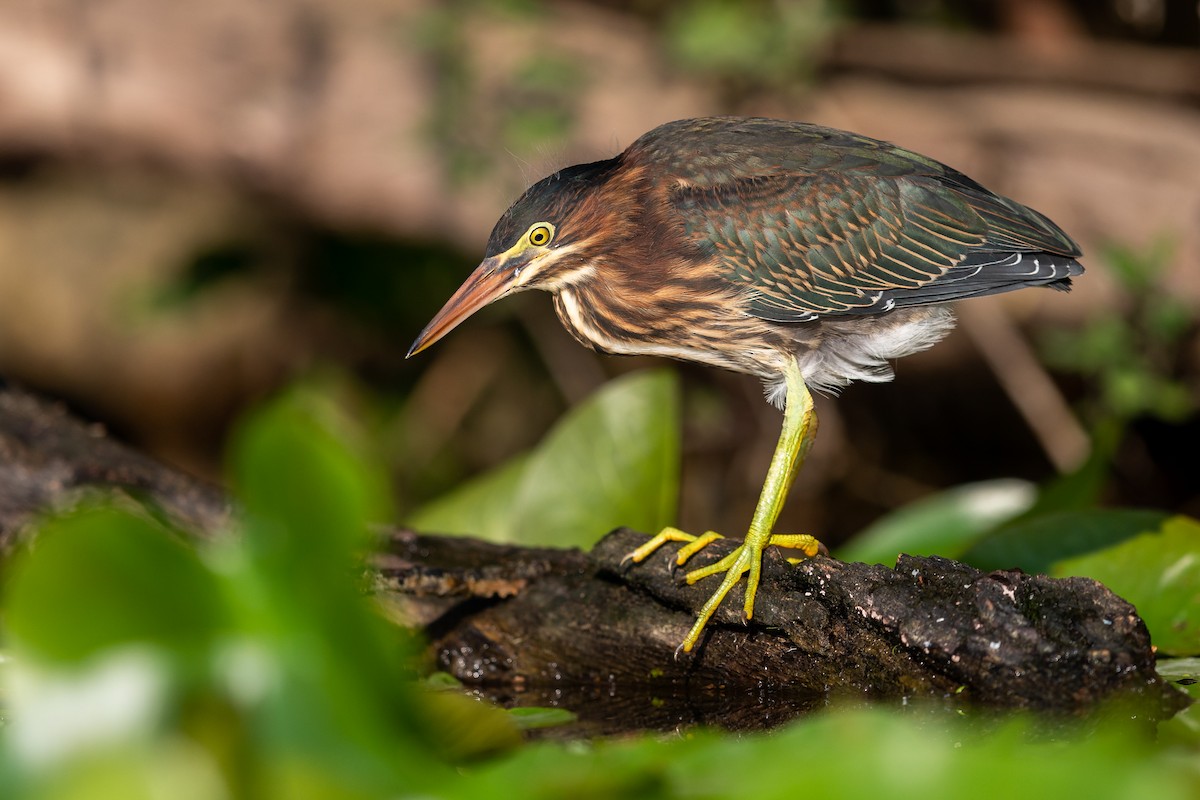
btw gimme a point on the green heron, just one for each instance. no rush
(803, 255)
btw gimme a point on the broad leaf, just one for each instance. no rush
(1035, 544)
(1159, 573)
(103, 579)
(858, 754)
(482, 507)
(309, 494)
(612, 461)
(533, 718)
(944, 524)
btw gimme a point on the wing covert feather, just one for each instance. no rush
(828, 244)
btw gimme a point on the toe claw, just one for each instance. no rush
(746, 558)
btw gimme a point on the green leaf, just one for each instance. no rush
(1159, 573)
(481, 507)
(535, 717)
(1034, 545)
(854, 754)
(764, 42)
(1183, 729)
(612, 461)
(137, 772)
(466, 728)
(342, 688)
(943, 524)
(1176, 669)
(309, 494)
(1139, 270)
(104, 578)
(442, 681)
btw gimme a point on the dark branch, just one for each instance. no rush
(554, 622)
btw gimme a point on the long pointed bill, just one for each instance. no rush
(489, 282)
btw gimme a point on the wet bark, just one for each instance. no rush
(571, 628)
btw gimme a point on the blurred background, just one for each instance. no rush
(201, 203)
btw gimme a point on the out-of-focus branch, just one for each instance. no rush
(932, 55)
(1027, 384)
(49, 459)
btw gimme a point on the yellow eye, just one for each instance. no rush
(541, 234)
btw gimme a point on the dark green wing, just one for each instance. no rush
(815, 222)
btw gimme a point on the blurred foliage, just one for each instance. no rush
(441, 37)
(140, 665)
(530, 106)
(613, 461)
(863, 754)
(1037, 543)
(943, 524)
(135, 584)
(748, 46)
(538, 107)
(1134, 357)
(251, 667)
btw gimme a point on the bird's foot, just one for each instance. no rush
(747, 558)
(692, 544)
(798, 541)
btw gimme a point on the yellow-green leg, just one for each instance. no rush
(799, 428)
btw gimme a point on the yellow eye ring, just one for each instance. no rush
(541, 234)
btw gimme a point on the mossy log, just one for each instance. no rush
(563, 624)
